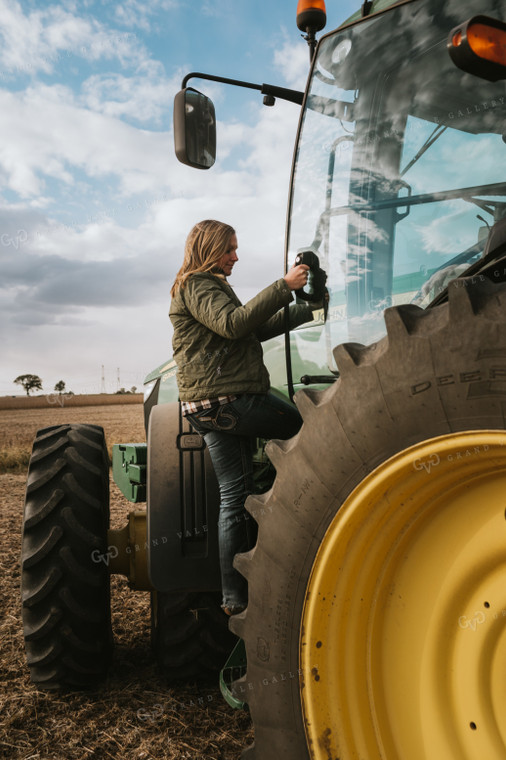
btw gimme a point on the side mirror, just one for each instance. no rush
(194, 129)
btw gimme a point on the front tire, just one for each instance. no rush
(189, 634)
(436, 373)
(65, 579)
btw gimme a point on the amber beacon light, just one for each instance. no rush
(311, 15)
(478, 46)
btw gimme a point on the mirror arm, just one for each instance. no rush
(293, 96)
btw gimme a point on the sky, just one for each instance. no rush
(94, 206)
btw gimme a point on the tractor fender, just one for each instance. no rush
(182, 506)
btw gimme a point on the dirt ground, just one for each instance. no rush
(135, 715)
(123, 423)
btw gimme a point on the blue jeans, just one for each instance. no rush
(229, 431)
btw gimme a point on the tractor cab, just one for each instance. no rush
(387, 187)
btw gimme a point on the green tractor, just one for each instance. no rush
(376, 624)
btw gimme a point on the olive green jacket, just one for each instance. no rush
(216, 342)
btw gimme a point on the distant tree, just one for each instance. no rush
(29, 383)
(133, 389)
(60, 386)
(121, 391)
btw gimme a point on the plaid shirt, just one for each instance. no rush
(190, 407)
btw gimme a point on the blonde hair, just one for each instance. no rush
(206, 244)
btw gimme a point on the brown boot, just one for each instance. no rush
(235, 609)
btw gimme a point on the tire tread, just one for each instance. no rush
(65, 593)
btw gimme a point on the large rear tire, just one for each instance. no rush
(343, 562)
(190, 635)
(65, 579)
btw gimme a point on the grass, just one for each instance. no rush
(14, 459)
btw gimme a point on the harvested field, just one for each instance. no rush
(122, 424)
(68, 399)
(135, 715)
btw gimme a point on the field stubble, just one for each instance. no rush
(135, 714)
(122, 424)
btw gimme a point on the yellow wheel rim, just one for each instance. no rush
(403, 637)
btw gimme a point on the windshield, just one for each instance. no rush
(400, 167)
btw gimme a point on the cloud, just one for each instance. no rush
(65, 137)
(137, 13)
(143, 97)
(43, 288)
(71, 299)
(446, 234)
(292, 59)
(39, 40)
(215, 9)
(53, 271)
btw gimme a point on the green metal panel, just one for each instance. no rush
(233, 670)
(167, 368)
(129, 469)
(166, 374)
